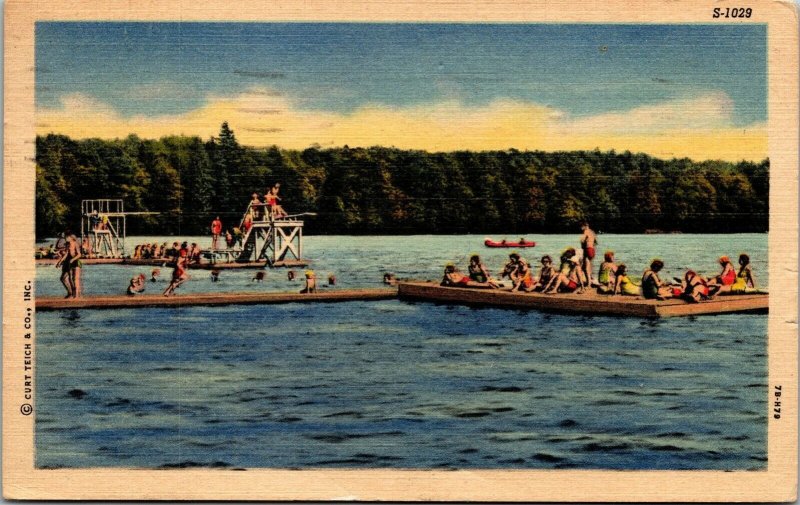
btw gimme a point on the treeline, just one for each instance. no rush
(382, 190)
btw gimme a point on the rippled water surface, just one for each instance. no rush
(397, 384)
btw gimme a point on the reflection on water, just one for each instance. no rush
(396, 384)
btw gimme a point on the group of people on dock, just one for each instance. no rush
(574, 275)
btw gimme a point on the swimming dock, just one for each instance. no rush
(588, 303)
(186, 300)
(167, 263)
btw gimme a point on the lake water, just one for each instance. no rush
(397, 384)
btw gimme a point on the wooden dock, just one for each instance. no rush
(124, 301)
(587, 303)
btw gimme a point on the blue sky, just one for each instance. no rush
(169, 69)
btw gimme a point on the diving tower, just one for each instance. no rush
(104, 222)
(277, 240)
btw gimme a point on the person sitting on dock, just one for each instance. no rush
(622, 283)
(136, 285)
(653, 288)
(454, 278)
(511, 267)
(745, 281)
(694, 287)
(570, 282)
(194, 254)
(605, 278)
(546, 274)
(723, 282)
(311, 283)
(478, 271)
(522, 278)
(229, 240)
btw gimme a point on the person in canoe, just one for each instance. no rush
(745, 281)
(588, 244)
(623, 284)
(608, 270)
(653, 288)
(454, 278)
(478, 271)
(723, 282)
(546, 274)
(694, 287)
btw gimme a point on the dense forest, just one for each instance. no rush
(381, 190)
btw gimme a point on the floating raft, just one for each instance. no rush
(125, 301)
(588, 303)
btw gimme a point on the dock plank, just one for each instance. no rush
(124, 301)
(586, 303)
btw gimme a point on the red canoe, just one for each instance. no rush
(504, 243)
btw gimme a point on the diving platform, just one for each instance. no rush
(589, 303)
(276, 240)
(209, 299)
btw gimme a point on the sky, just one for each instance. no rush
(667, 90)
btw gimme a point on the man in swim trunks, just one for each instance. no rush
(588, 243)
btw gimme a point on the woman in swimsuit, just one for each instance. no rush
(622, 284)
(272, 200)
(694, 287)
(605, 277)
(478, 271)
(568, 282)
(653, 288)
(454, 278)
(546, 274)
(723, 282)
(745, 281)
(522, 277)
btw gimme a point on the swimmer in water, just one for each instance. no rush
(258, 277)
(136, 285)
(311, 282)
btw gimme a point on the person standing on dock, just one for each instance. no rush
(70, 264)
(588, 243)
(216, 230)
